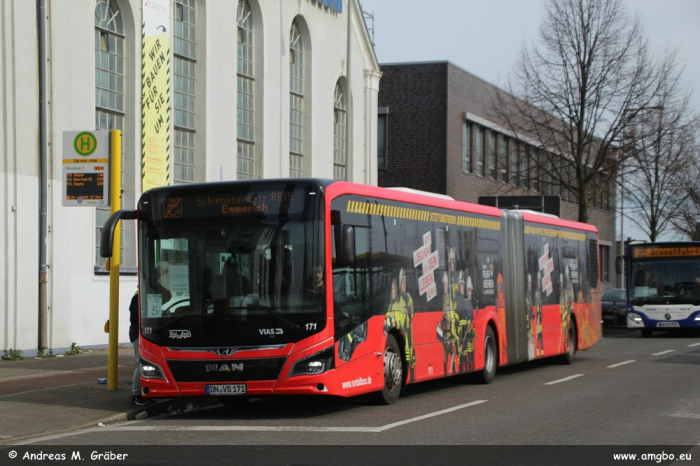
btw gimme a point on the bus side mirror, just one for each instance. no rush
(618, 263)
(107, 236)
(345, 245)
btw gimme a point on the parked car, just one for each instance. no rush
(614, 304)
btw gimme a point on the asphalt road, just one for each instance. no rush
(627, 390)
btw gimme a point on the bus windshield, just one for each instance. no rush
(226, 281)
(662, 280)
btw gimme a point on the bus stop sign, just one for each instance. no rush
(85, 172)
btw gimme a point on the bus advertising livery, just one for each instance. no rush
(311, 286)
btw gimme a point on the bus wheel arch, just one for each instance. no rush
(394, 372)
(488, 373)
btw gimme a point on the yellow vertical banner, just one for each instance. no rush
(155, 94)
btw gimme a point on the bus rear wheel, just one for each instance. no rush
(488, 373)
(393, 374)
(570, 355)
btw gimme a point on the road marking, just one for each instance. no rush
(622, 363)
(564, 379)
(694, 344)
(664, 352)
(136, 426)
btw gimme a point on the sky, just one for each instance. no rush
(484, 37)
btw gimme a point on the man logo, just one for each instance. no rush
(225, 351)
(224, 367)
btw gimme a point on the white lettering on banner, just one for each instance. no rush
(547, 266)
(549, 289)
(543, 259)
(546, 249)
(425, 282)
(420, 254)
(488, 283)
(430, 262)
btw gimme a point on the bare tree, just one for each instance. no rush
(575, 94)
(663, 150)
(686, 221)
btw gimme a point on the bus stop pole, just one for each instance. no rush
(116, 202)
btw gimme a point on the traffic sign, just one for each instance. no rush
(85, 172)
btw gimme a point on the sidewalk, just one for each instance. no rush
(59, 394)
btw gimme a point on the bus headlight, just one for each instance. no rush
(315, 364)
(634, 320)
(150, 370)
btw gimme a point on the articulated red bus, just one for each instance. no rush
(310, 286)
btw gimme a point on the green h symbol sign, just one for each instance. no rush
(85, 143)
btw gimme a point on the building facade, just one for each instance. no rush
(435, 134)
(255, 89)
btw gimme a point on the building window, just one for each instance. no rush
(185, 41)
(245, 163)
(382, 120)
(524, 173)
(492, 155)
(534, 169)
(109, 92)
(466, 147)
(339, 134)
(479, 144)
(514, 160)
(296, 102)
(604, 263)
(503, 157)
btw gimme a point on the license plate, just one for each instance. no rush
(667, 324)
(608, 317)
(228, 389)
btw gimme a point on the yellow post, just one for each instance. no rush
(116, 201)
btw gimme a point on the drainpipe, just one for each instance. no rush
(348, 145)
(43, 177)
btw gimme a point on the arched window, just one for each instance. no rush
(185, 58)
(109, 88)
(339, 134)
(245, 164)
(296, 102)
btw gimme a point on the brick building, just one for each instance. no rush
(435, 135)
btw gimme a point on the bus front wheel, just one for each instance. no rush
(393, 373)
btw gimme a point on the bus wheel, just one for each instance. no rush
(647, 332)
(393, 373)
(488, 373)
(570, 355)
